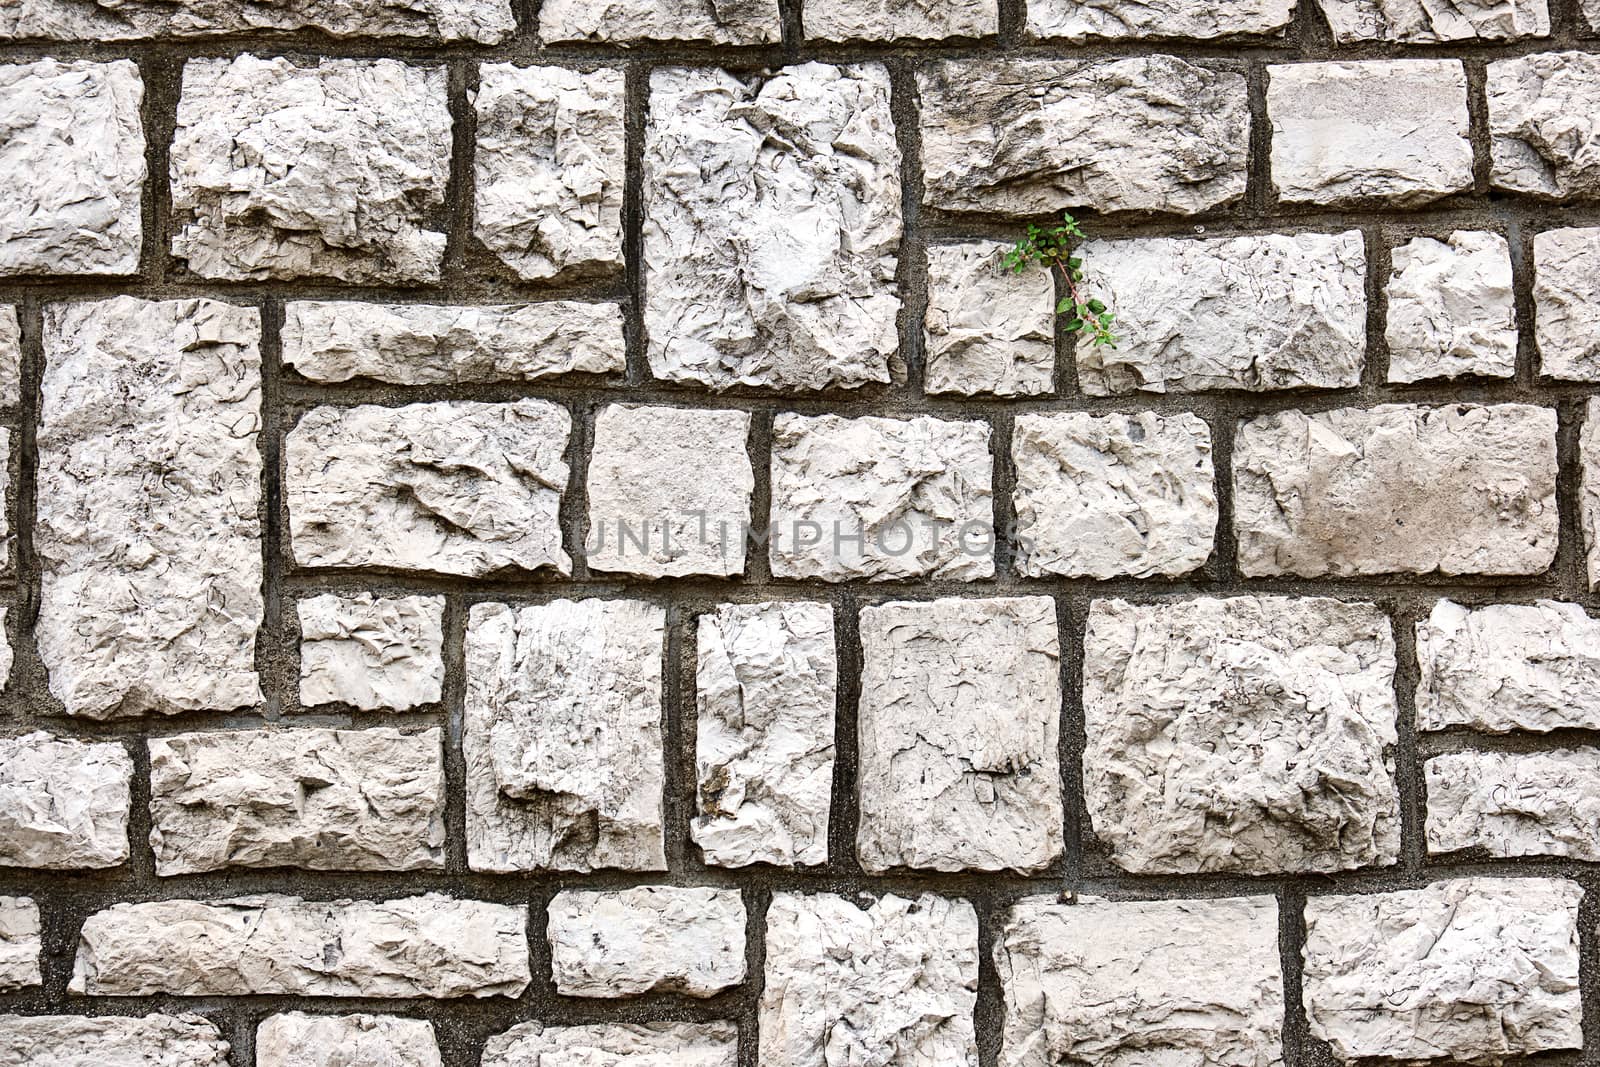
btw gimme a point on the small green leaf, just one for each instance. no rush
(1096, 306)
(1064, 306)
(1074, 325)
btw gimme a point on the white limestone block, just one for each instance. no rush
(63, 803)
(110, 1041)
(1544, 134)
(479, 21)
(1566, 303)
(1079, 20)
(1516, 803)
(662, 939)
(295, 1039)
(371, 652)
(713, 1044)
(19, 945)
(1451, 309)
(627, 22)
(987, 330)
(1589, 493)
(1425, 22)
(888, 20)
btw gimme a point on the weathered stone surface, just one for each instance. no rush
(959, 715)
(424, 946)
(325, 800)
(1566, 303)
(19, 944)
(1079, 20)
(1113, 495)
(662, 939)
(371, 652)
(549, 169)
(63, 804)
(1591, 13)
(336, 170)
(1506, 667)
(5, 543)
(988, 330)
(1516, 803)
(893, 983)
(881, 498)
(714, 1044)
(1150, 133)
(1474, 969)
(1451, 310)
(563, 742)
(1426, 22)
(10, 357)
(765, 687)
(1463, 489)
(770, 259)
(1161, 982)
(639, 21)
(73, 153)
(1544, 137)
(149, 485)
(294, 1039)
(483, 21)
(110, 1041)
(1252, 734)
(1258, 312)
(1393, 130)
(429, 344)
(457, 487)
(887, 20)
(669, 491)
(1589, 499)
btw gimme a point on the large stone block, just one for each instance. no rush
(19, 944)
(110, 1041)
(1566, 303)
(664, 939)
(887, 20)
(714, 1044)
(1544, 138)
(988, 330)
(1516, 803)
(295, 1039)
(626, 22)
(371, 652)
(1424, 22)
(480, 21)
(1079, 20)
(63, 804)
(1451, 308)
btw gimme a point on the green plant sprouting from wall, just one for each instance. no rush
(1051, 247)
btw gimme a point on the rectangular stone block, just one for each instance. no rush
(294, 1039)
(479, 21)
(888, 20)
(110, 1041)
(63, 804)
(10, 357)
(625, 22)
(19, 944)
(713, 1044)
(1566, 303)
(987, 330)
(1421, 22)
(653, 939)
(1515, 803)
(1459, 489)
(1451, 309)
(1538, 145)
(371, 652)
(1079, 20)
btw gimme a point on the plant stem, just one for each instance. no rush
(1072, 287)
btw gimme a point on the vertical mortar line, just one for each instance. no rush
(1073, 737)
(455, 765)
(758, 564)
(1258, 199)
(1013, 23)
(1380, 261)
(28, 680)
(1522, 282)
(845, 815)
(1224, 428)
(1589, 966)
(243, 1038)
(791, 14)
(163, 79)
(989, 1011)
(636, 100)
(572, 511)
(459, 205)
(757, 899)
(911, 273)
(1004, 485)
(270, 648)
(1407, 754)
(678, 687)
(1066, 381)
(1570, 569)
(526, 12)
(1478, 124)
(1291, 938)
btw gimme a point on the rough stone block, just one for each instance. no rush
(19, 944)
(625, 22)
(1252, 734)
(765, 687)
(6, 503)
(1543, 137)
(10, 357)
(63, 804)
(888, 20)
(1516, 803)
(662, 939)
(371, 652)
(110, 1041)
(294, 1039)
(1079, 20)
(1113, 495)
(1566, 303)
(1451, 309)
(1425, 22)
(563, 741)
(336, 170)
(1461, 489)
(481, 21)
(893, 983)
(1393, 130)
(770, 261)
(1589, 498)
(714, 1044)
(959, 715)
(1591, 14)
(1149, 133)
(1475, 969)
(988, 330)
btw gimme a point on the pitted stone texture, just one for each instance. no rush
(428, 344)
(766, 690)
(1252, 735)
(887, 20)
(1475, 969)
(1505, 667)
(10, 357)
(294, 1039)
(669, 491)
(5, 544)
(1591, 13)
(110, 1041)
(1566, 303)
(1113, 495)
(456, 487)
(1391, 130)
(148, 532)
(1079, 20)
(425, 946)
(322, 800)
(1545, 139)
(549, 169)
(625, 22)
(1451, 309)
(72, 147)
(1463, 489)
(371, 652)
(482, 21)
(1151, 133)
(1125, 984)
(881, 499)
(1258, 312)
(893, 983)
(770, 257)
(19, 944)
(563, 738)
(1516, 803)
(1589, 499)
(63, 804)
(1426, 22)
(959, 716)
(332, 171)
(988, 330)
(714, 1044)
(653, 939)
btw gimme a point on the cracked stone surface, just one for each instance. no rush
(1451, 309)
(455, 487)
(110, 1041)
(549, 169)
(423, 946)
(371, 652)
(987, 330)
(661, 939)
(1250, 734)
(669, 491)
(63, 803)
(887, 20)
(625, 22)
(1426, 22)
(1113, 495)
(19, 945)
(430, 344)
(337, 170)
(295, 1039)
(1589, 498)
(959, 716)
(771, 227)
(1544, 136)
(1460, 489)
(148, 533)
(1566, 303)
(1149, 133)
(321, 800)
(1516, 803)
(480, 21)
(1473, 969)
(1392, 130)
(563, 737)
(713, 1044)
(6, 544)
(1131, 983)
(10, 357)
(1258, 312)
(1079, 20)
(881, 499)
